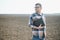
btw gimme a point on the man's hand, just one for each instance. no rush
(40, 27)
(36, 27)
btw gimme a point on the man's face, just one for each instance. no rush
(38, 8)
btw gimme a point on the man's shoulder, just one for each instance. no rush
(33, 14)
(43, 14)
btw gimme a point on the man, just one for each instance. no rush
(37, 23)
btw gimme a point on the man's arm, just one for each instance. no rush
(44, 19)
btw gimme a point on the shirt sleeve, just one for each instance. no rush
(44, 20)
(30, 22)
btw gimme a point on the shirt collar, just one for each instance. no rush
(39, 13)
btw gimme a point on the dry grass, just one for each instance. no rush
(16, 28)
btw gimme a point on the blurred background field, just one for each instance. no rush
(15, 27)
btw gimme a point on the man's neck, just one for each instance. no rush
(38, 12)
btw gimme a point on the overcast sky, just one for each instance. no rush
(27, 6)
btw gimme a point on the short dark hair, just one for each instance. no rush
(38, 4)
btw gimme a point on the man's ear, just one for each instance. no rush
(41, 8)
